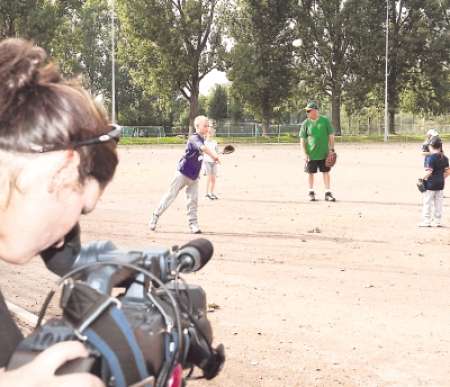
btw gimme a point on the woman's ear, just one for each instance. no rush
(65, 172)
(91, 193)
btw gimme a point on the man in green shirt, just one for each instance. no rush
(317, 138)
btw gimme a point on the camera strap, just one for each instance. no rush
(98, 320)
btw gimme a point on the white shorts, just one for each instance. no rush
(210, 168)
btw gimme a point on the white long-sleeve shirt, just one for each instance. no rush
(212, 145)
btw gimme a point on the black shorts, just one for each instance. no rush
(312, 165)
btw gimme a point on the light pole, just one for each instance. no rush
(113, 65)
(386, 116)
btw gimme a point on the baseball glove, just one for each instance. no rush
(228, 149)
(331, 159)
(421, 185)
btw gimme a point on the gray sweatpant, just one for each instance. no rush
(432, 199)
(178, 183)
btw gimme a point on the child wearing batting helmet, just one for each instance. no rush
(432, 133)
(436, 171)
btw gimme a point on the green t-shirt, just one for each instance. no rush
(316, 134)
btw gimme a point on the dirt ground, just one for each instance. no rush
(350, 293)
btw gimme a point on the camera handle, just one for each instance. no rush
(102, 324)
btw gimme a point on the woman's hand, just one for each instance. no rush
(41, 371)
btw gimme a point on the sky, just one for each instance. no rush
(211, 79)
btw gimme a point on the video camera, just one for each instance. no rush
(142, 324)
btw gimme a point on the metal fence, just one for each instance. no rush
(230, 130)
(144, 131)
(357, 125)
(373, 124)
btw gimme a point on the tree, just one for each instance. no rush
(86, 50)
(234, 106)
(427, 95)
(37, 20)
(418, 55)
(182, 40)
(338, 42)
(83, 24)
(87, 47)
(261, 62)
(217, 103)
(135, 107)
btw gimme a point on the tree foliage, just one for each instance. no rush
(217, 103)
(339, 42)
(261, 62)
(166, 47)
(37, 20)
(182, 39)
(418, 55)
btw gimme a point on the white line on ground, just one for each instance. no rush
(22, 314)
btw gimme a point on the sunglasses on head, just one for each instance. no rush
(113, 135)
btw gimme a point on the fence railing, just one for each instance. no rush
(229, 130)
(356, 126)
(143, 131)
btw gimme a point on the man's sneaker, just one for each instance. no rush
(153, 222)
(195, 229)
(437, 223)
(424, 224)
(312, 196)
(329, 197)
(210, 196)
(213, 195)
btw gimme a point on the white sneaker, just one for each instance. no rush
(195, 229)
(153, 222)
(424, 224)
(437, 223)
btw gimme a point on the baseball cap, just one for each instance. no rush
(311, 105)
(432, 133)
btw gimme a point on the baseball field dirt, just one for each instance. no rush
(302, 293)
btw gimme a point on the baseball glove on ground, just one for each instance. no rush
(228, 149)
(421, 185)
(331, 159)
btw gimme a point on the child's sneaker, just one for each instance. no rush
(213, 195)
(210, 196)
(195, 229)
(153, 222)
(312, 196)
(437, 223)
(424, 224)
(329, 197)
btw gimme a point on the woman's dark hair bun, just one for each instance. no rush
(39, 107)
(20, 62)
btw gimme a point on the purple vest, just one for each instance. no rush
(191, 162)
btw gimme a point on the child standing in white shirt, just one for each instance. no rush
(210, 166)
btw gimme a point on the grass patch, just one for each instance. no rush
(151, 140)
